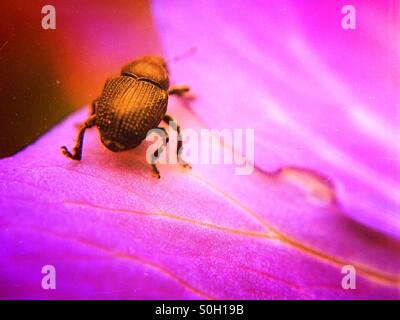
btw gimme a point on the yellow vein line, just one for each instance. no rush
(130, 258)
(167, 215)
(369, 273)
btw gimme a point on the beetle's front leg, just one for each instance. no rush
(77, 151)
(175, 125)
(158, 152)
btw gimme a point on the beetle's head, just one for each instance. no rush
(152, 68)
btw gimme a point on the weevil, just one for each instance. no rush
(129, 106)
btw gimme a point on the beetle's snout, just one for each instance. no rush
(113, 145)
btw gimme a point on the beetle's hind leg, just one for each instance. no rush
(175, 125)
(182, 91)
(178, 90)
(77, 150)
(158, 152)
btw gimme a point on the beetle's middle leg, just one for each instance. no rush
(175, 125)
(156, 153)
(77, 151)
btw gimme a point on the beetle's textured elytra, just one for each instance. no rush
(127, 109)
(130, 105)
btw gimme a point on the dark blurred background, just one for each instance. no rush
(47, 74)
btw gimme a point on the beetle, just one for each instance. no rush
(129, 106)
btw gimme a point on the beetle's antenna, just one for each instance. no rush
(183, 55)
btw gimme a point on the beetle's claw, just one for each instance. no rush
(156, 174)
(186, 165)
(68, 154)
(65, 152)
(155, 171)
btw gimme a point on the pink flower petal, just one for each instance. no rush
(319, 198)
(114, 231)
(318, 96)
